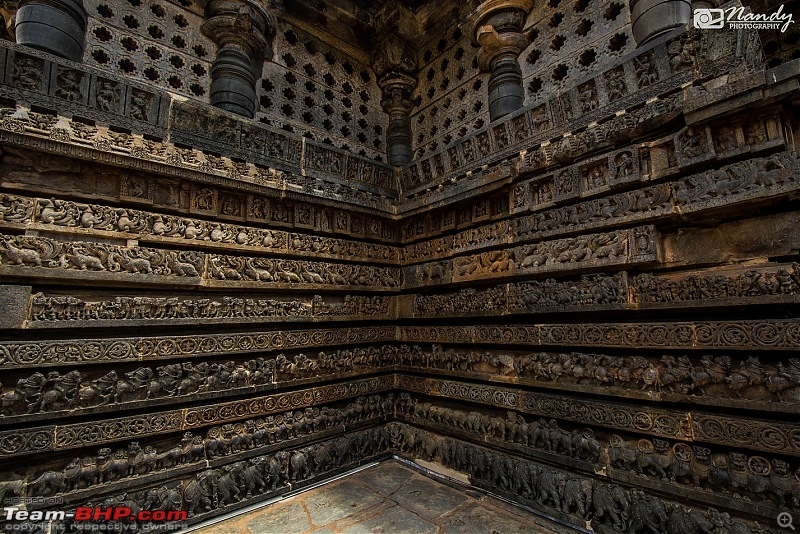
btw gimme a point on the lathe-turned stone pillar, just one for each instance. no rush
(651, 18)
(397, 104)
(243, 31)
(394, 64)
(497, 28)
(54, 26)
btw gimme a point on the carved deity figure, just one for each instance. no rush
(27, 73)
(69, 85)
(107, 97)
(140, 105)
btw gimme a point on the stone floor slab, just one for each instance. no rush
(389, 498)
(288, 517)
(395, 520)
(472, 517)
(342, 499)
(385, 477)
(428, 498)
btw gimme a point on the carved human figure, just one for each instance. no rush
(27, 73)
(615, 84)
(140, 105)
(645, 70)
(107, 96)
(68, 85)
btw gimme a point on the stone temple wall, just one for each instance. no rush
(589, 306)
(307, 87)
(450, 98)
(314, 89)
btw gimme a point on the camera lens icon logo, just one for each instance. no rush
(709, 19)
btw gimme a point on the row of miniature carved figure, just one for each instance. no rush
(42, 252)
(734, 473)
(687, 146)
(70, 308)
(745, 179)
(112, 100)
(39, 393)
(754, 282)
(690, 145)
(716, 376)
(609, 507)
(228, 439)
(592, 290)
(559, 111)
(66, 213)
(230, 484)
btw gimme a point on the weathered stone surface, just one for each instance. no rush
(554, 248)
(13, 303)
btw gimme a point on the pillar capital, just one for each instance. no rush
(397, 89)
(497, 28)
(243, 32)
(240, 23)
(394, 62)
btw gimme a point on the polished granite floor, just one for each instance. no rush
(385, 499)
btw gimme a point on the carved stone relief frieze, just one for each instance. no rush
(639, 245)
(745, 382)
(37, 397)
(94, 260)
(50, 310)
(43, 253)
(21, 354)
(681, 465)
(136, 462)
(760, 177)
(71, 436)
(673, 424)
(576, 498)
(776, 334)
(750, 433)
(224, 487)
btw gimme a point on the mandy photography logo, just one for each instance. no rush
(739, 18)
